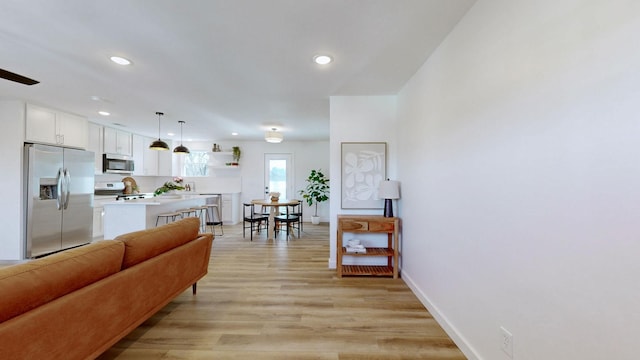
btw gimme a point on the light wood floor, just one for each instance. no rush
(273, 299)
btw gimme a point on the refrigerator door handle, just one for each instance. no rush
(59, 192)
(67, 187)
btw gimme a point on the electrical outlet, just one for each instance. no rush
(506, 342)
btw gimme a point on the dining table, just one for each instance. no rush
(274, 205)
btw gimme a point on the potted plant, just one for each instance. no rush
(236, 155)
(169, 187)
(317, 191)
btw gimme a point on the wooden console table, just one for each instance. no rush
(369, 224)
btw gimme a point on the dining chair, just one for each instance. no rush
(296, 209)
(287, 220)
(254, 221)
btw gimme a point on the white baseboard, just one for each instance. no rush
(453, 333)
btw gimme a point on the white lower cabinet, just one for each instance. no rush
(227, 209)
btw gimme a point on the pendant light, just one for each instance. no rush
(181, 149)
(159, 144)
(273, 136)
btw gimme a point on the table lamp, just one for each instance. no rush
(389, 190)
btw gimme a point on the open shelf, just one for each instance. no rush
(369, 224)
(367, 270)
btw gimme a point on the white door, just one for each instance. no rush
(278, 175)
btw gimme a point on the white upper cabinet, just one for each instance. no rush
(54, 127)
(73, 129)
(149, 158)
(165, 161)
(117, 141)
(95, 145)
(145, 159)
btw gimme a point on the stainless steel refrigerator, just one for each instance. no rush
(59, 198)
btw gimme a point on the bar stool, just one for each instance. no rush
(166, 216)
(201, 212)
(213, 218)
(188, 212)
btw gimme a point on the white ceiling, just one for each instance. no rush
(219, 65)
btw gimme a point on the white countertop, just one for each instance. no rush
(157, 200)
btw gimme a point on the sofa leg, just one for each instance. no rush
(194, 288)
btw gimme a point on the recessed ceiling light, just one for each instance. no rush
(120, 60)
(104, 113)
(322, 59)
(170, 134)
(234, 133)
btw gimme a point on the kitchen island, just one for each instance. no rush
(121, 217)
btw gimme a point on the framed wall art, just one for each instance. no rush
(364, 166)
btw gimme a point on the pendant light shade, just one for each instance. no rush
(181, 149)
(159, 144)
(273, 136)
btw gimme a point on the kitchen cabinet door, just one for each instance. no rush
(137, 153)
(95, 145)
(41, 125)
(165, 160)
(117, 141)
(150, 158)
(73, 130)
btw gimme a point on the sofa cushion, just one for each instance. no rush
(34, 283)
(144, 244)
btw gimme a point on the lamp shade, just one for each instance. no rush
(159, 144)
(389, 189)
(181, 149)
(273, 136)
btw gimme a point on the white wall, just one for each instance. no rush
(358, 119)
(520, 168)
(12, 115)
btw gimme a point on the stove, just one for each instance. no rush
(134, 196)
(109, 188)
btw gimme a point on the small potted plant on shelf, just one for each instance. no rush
(236, 155)
(317, 191)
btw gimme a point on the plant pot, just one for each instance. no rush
(315, 220)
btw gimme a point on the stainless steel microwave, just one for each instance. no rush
(117, 164)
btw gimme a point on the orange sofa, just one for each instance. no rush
(77, 303)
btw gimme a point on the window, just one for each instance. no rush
(195, 163)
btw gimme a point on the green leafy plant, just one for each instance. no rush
(236, 154)
(317, 189)
(168, 186)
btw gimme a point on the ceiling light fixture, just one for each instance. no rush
(273, 136)
(104, 113)
(181, 149)
(120, 60)
(322, 59)
(159, 144)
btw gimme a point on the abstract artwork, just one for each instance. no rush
(363, 168)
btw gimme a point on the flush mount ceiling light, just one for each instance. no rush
(120, 60)
(181, 149)
(273, 136)
(104, 113)
(159, 144)
(322, 59)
